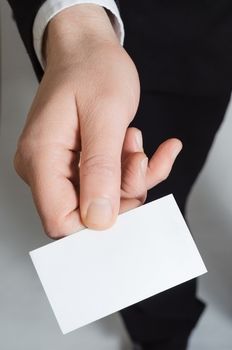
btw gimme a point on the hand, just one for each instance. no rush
(76, 153)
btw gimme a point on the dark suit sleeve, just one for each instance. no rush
(24, 13)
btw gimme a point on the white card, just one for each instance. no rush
(90, 274)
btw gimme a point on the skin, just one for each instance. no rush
(82, 161)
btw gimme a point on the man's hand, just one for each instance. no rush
(76, 152)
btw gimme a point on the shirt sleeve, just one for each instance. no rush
(50, 8)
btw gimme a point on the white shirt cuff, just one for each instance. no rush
(50, 8)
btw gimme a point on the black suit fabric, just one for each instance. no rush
(180, 46)
(24, 12)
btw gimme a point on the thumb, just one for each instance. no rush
(100, 169)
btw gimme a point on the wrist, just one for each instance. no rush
(73, 32)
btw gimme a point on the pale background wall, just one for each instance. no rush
(26, 320)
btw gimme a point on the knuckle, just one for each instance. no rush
(21, 158)
(16, 162)
(22, 147)
(99, 164)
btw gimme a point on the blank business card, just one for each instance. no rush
(91, 274)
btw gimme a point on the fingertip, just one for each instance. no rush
(58, 228)
(178, 143)
(54, 231)
(133, 141)
(177, 149)
(161, 162)
(143, 165)
(100, 226)
(100, 214)
(139, 140)
(172, 147)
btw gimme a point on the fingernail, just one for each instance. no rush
(99, 212)
(139, 140)
(143, 165)
(176, 151)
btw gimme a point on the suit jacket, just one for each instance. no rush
(178, 46)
